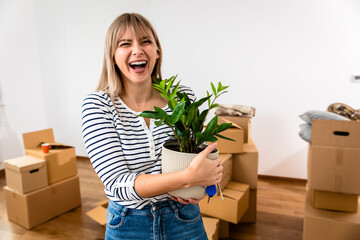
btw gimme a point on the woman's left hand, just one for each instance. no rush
(183, 201)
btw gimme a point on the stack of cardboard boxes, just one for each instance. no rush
(240, 194)
(331, 209)
(41, 186)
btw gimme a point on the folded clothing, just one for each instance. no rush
(310, 115)
(345, 111)
(235, 110)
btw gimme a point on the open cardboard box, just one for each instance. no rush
(243, 122)
(232, 208)
(227, 146)
(60, 161)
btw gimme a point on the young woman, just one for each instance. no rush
(125, 150)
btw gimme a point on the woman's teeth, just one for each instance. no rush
(138, 65)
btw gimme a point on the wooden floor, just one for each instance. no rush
(280, 210)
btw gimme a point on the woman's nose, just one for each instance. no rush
(137, 49)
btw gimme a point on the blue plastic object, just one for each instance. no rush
(211, 190)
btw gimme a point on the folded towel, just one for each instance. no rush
(235, 110)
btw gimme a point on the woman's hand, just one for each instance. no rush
(203, 171)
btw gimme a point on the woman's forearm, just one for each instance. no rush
(149, 185)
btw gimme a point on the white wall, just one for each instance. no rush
(20, 77)
(282, 57)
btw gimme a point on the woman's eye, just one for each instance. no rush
(147, 42)
(124, 44)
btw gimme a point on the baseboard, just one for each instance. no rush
(286, 179)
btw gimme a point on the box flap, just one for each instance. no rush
(98, 214)
(335, 133)
(235, 119)
(211, 226)
(233, 123)
(33, 139)
(233, 194)
(24, 164)
(237, 186)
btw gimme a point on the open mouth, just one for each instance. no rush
(138, 66)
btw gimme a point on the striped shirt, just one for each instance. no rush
(121, 146)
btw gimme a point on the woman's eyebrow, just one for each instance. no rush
(130, 40)
(125, 40)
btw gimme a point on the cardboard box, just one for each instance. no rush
(332, 133)
(329, 225)
(226, 161)
(334, 201)
(243, 122)
(250, 214)
(224, 227)
(25, 174)
(245, 166)
(61, 163)
(227, 146)
(232, 208)
(334, 169)
(211, 226)
(98, 213)
(31, 209)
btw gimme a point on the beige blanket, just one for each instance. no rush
(235, 110)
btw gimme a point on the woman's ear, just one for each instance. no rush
(157, 53)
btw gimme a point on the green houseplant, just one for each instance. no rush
(187, 122)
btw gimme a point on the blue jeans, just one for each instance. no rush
(158, 221)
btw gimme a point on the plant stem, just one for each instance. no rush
(177, 136)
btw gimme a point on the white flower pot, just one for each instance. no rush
(173, 161)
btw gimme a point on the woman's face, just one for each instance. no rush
(135, 57)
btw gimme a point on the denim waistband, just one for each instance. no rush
(152, 207)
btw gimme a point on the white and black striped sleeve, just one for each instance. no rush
(104, 148)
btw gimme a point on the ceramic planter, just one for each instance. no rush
(173, 161)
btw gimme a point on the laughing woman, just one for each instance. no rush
(125, 149)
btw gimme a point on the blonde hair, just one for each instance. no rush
(110, 80)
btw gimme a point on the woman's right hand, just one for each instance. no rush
(203, 171)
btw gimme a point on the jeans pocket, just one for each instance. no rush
(115, 218)
(188, 213)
